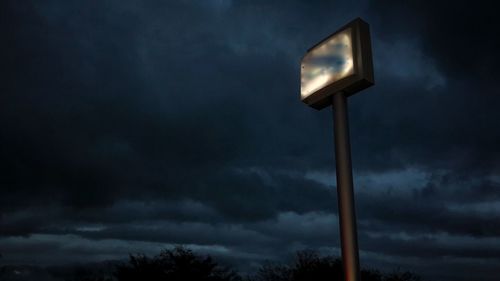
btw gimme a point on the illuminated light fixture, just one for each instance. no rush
(331, 71)
(340, 63)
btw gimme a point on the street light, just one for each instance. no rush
(332, 70)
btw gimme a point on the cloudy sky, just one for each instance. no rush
(132, 126)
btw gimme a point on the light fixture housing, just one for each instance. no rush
(342, 62)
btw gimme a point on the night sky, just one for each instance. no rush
(133, 126)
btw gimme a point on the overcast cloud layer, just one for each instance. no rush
(131, 126)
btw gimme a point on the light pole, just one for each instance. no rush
(331, 70)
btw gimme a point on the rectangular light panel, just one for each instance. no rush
(327, 63)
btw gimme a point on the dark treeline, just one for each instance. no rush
(181, 264)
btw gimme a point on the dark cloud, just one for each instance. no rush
(459, 36)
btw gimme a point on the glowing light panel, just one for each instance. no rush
(328, 62)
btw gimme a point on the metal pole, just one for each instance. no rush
(345, 193)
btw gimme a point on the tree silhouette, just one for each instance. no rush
(402, 276)
(273, 272)
(308, 265)
(179, 264)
